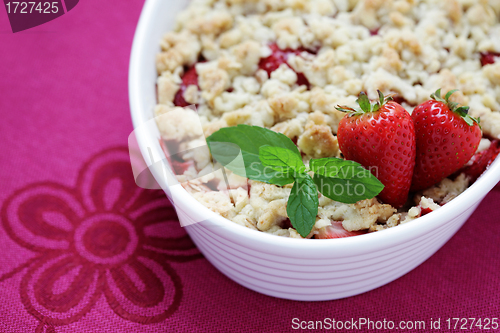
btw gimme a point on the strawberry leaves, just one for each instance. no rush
(263, 155)
(365, 105)
(462, 111)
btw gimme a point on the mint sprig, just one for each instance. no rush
(260, 154)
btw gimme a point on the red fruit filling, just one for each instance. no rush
(278, 57)
(190, 78)
(336, 230)
(269, 64)
(481, 161)
(488, 58)
(178, 164)
(374, 32)
(286, 224)
(425, 211)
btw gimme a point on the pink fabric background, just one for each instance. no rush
(65, 122)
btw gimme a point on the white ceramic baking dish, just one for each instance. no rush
(283, 267)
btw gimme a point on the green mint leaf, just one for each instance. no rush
(284, 161)
(344, 181)
(347, 191)
(281, 178)
(281, 158)
(229, 155)
(302, 206)
(237, 148)
(336, 167)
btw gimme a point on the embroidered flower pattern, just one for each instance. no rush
(104, 237)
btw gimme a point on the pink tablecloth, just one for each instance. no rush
(67, 193)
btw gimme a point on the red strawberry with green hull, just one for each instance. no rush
(447, 138)
(381, 137)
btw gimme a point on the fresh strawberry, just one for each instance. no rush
(278, 57)
(447, 137)
(480, 162)
(189, 78)
(488, 58)
(381, 137)
(336, 231)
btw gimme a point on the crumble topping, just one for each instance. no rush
(406, 47)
